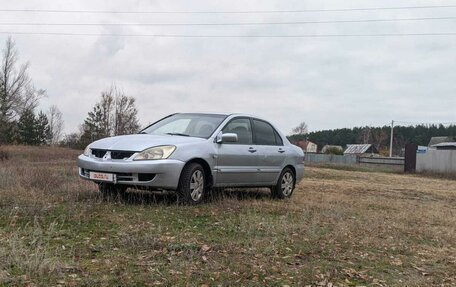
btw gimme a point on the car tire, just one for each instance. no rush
(285, 185)
(111, 191)
(192, 188)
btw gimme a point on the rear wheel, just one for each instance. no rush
(285, 185)
(192, 187)
(111, 191)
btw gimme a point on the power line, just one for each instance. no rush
(228, 24)
(230, 36)
(226, 12)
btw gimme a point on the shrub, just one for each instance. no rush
(334, 150)
(4, 155)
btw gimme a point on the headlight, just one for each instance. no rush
(158, 152)
(87, 151)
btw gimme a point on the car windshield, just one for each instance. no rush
(192, 125)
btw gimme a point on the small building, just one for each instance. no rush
(445, 146)
(328, 147)
(438, 140)
(359, 149)
(307, 146)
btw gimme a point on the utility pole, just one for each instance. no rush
(391, 139)
(307, 144)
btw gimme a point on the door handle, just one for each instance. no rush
(281, 150)
(252, 150)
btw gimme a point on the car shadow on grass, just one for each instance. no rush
(161, 198)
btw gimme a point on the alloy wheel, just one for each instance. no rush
(197, 185)
(287, 183)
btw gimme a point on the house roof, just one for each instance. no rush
(439, 140)
(445, 144)
(357, 148)
(304, 144)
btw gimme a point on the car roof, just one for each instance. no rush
(238, 115)
(223, 114)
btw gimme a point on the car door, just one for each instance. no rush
(271, 151)
(237, 163)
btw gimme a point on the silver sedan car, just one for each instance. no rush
(191, 153)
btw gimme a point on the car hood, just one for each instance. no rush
(141, 142)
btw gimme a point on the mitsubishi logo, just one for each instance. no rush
(107, 155)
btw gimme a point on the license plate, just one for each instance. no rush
(101, 176)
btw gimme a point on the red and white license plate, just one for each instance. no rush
(101, 176)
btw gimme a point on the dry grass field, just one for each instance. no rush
(341, 228)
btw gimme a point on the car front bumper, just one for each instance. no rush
(161, 174)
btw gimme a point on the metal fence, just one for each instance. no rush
(331, 159)
(439, 161)
(395, 163)
(390, 161)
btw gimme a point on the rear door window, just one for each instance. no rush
(264, 133)
(279, 140)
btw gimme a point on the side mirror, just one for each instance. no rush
(227, 138)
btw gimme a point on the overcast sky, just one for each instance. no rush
(327, 82)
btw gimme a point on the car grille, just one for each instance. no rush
(115, 154)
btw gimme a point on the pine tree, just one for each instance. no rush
(26, 128)
(42, 130)
(32, 129)
(97, 123)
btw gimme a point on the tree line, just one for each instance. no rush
(378, 136)
(21, 123)
(114, 114)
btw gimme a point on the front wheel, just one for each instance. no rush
(192, 184)
(285, 185)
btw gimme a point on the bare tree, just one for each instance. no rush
(379, 138)
(301, 129)
(18, 92)
(365, 136)
(55, 119)
(106, 107)
(125, 119)
(118, 112)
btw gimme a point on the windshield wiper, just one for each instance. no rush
(142, 133)
(178, 134)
